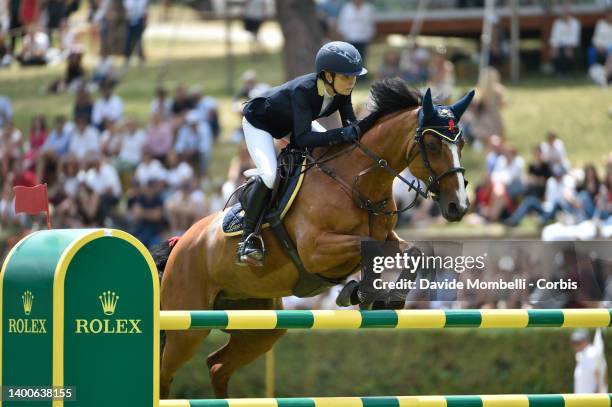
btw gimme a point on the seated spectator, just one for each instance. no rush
(560, 195)
(181, 103)
(588, 191)
(161, 105)
(11, 146)
(564, 41)
(189, 138)
(146, 211)
(38, 135)
(160, 136)
(390, 66)
(75, 73)
(105, 71)
(506, 183)
(34, 47)
(83, 106)
(602, 41)
(149, 169)
(249, 82)
(538, 173)
(55, 147)
(133, 140)
(603, 208)
(496, 150)
(108, 107)
(103, 179)
(553, 151)
(84, 139)
(206, 107)
(110, 140)
(414, 63)
(185, 207)
(178, 172)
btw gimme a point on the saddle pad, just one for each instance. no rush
(232, 217)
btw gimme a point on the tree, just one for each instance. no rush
(302, 33)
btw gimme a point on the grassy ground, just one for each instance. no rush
(575, 108)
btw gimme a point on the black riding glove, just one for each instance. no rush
(351, 133)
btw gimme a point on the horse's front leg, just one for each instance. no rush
(332, 251)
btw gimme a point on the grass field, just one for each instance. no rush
(575, 108)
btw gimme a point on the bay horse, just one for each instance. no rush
(324, 221)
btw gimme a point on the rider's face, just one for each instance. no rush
(344, 84)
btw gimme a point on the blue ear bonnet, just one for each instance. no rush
(442, 121)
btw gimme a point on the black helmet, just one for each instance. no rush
(340, 57)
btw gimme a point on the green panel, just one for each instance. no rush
(380, 401)
(545, 317)
(106, 358)
(299, 402)
(294, 319)
(462, 318)
(463, 401)
(209, 319)
(378, 319)
(27, 356)
(546, 400)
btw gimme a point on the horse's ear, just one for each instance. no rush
(428, 106)
(460, 106)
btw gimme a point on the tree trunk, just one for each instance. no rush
(302, 33)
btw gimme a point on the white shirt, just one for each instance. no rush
(565, 33)
(602, 38)
(132, 146)
(506, 172)
(165, 110)
(104, 179)
(555, 153)
(135, 9)
(83, 143)
(38, 42)
(356, 24)
(205, 106)
(111, 108)
(152, 170)
(588, 366)
(179, 174)
(557, 189)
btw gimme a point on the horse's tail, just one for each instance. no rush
(160, 254)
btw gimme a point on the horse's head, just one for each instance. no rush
(434, 156)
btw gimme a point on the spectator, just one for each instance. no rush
(105, 71)
(390, 67)
(133, 140)
(206, 107)
(484, 117)
(603, 209)
(414, 63)
(149, 170)
(553, 151)
(560, 195)
(55, 147)
(29, 12)
(538, 173)
(56, 13)
(34, 47)
(564, 41)
(5, 56)
(11, 146)
(110, 140)
(602, 41)
(249, 82)
(185, 207)
(103, 179)
(15, 25)
(442, 76)
(255, 14)
(591, 372)
(356, 25)
(38, 135)
(496, 147)
(188, 139)
(136, 14)
(147, 213)
(84, 139)
(161, 104)
(160, 136)
(328, 12)
(506, 182)
(108, 108)
(6, 111)
(75, 73)
(83, 107)
(178, 171)
(588, 191)
(181, 103)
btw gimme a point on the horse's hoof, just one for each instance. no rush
(347, 295)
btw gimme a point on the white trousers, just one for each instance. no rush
(260, 144)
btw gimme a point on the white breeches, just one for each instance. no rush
(260, 144)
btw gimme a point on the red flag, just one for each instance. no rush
(32, 200)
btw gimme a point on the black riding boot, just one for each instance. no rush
(250, 249)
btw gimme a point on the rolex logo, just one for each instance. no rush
(109, 300)
(28, 300)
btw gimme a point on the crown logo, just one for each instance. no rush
(28, 300)
(109, 300)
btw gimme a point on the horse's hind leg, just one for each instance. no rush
(179, 348)
(243, 347)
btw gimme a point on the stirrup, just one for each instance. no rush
(244, 259)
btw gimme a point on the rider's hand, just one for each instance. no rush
(351, 133)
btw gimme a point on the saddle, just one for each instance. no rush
(292, 165)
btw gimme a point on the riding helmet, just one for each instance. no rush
(340, 57)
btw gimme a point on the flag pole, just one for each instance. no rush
(47, 211)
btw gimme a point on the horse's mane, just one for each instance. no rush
(389, 96)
